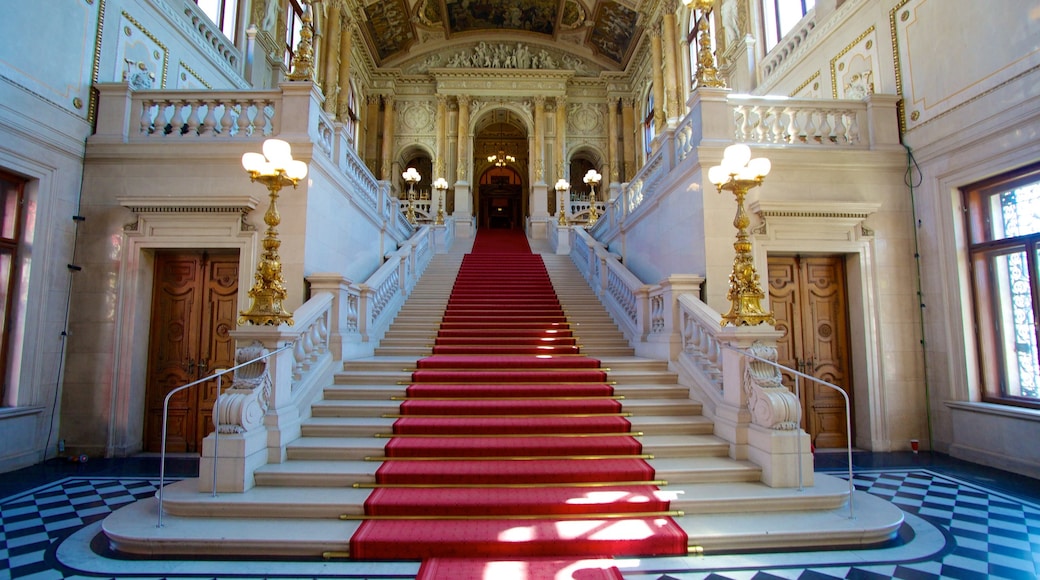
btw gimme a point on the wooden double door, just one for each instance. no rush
(808, 296)
(194, 310)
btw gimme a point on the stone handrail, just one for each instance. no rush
(186, 115)
(718, 117)
(624, 295)
(804, 122)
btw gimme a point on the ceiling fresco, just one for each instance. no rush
(602, 32)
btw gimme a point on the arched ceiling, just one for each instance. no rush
(588, 36)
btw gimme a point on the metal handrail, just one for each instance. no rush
(216, 422)
(848, 415)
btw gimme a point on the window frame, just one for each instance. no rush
(649, 128)
(9, 245)
(984, 254)
(774, 26)
(225, 16)
(293, 26)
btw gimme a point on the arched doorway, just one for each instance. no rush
(501, 166)
(501, 199)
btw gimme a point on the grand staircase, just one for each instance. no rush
(296, 507)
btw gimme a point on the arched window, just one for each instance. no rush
(649, 131)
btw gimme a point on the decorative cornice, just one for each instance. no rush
(241, 204)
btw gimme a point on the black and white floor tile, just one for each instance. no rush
(955, 529)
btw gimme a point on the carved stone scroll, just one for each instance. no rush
(241, 407)
(771, 404)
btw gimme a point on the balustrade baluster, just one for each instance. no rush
(810, 127)
(226, 120)
(146, 116)
(760, 126)
(825, 127)
(210, 121)
(299, 355)
(177, 123)
(853, 130)
(243, 119)
(841, 138)
(792, 125)
(193, 121)
(777, 124)
(744, 125)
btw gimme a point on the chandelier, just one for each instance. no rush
(501, 159)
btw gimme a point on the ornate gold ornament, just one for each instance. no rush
(737, 174)
(707, 75)
(275, 168)
(303, 58)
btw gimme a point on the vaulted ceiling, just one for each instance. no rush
(588, 36)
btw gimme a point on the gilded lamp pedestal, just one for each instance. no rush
(738, 174)
(411, 177)
(561, 190)
(441, 185)
(592, 179)
(275, 168)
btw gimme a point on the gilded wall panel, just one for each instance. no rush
(63, 81)
(922, 29)
(854, 69)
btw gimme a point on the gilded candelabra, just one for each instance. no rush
(275, 168)
(441, 185)
(561, 191)
(707, 75)
(737, 174)
(303, 56)
(411, 177)
(592, 179)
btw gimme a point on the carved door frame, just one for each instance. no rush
(217, 223)
(837, 228)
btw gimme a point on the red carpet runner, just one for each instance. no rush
(510, 443)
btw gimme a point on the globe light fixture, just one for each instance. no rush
(501, 159)
(738, 173)
(561, 191)
(275, 168)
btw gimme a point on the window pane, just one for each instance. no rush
(9, 190)
(1017, 330)
(1015, 212)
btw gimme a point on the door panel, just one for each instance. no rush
(808, 300)
(194, 307)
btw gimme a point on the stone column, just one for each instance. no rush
(439, 164)
(628, 136)
(332, 56)
(658, 75)
(561, 148)
(387, 161)
(372, 133)
(561, 137)
(345, 46)
(463, 214)
(671, 70)
(613, 175)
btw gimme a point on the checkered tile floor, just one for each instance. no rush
(975, 533)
